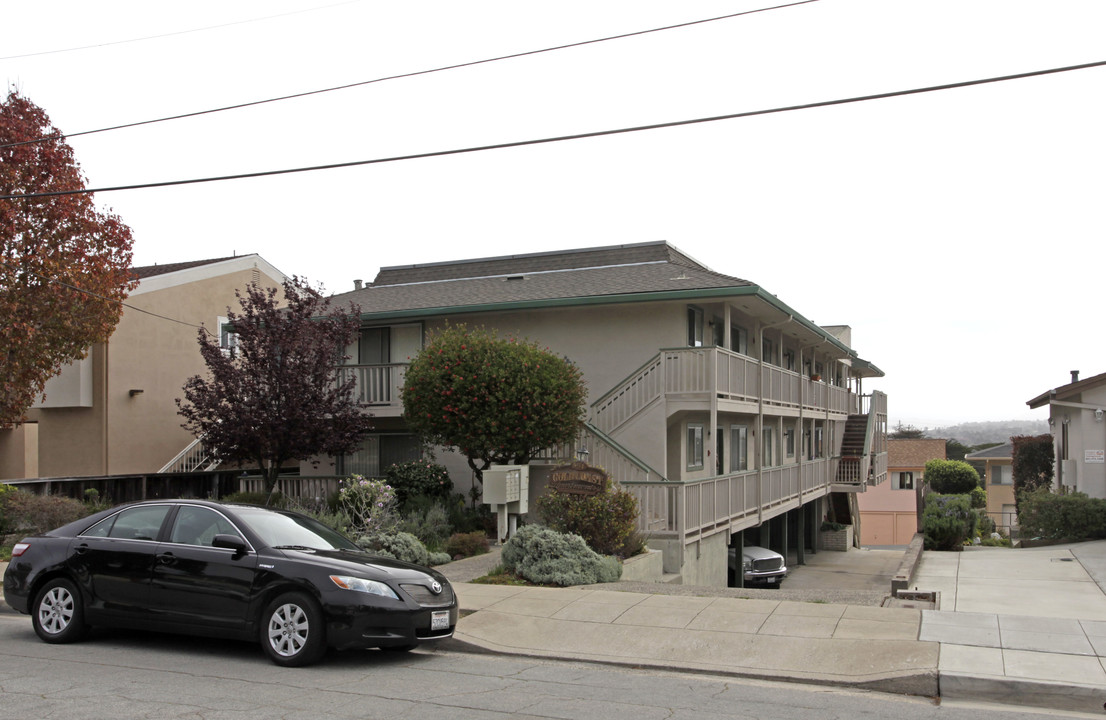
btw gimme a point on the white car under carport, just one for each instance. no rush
(760, 566)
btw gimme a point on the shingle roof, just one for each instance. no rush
(151, 270)
(999, 452)
(914, 453)
(594, 272)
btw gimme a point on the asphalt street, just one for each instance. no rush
(129, 675)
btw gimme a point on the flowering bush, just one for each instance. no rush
(607, 521)
(419, 477)
(371, 505)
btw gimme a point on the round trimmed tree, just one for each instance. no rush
(496, 400)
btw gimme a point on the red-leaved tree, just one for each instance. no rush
(275, 397)
(64, 266)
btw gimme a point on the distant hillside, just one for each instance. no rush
(998, 431)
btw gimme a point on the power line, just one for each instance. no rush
(416, 73)
(177, 32)
(563, 138)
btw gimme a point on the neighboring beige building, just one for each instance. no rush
(114, 413)
(998, 475)
(730, 416)
(889, 512)
(1077, 419)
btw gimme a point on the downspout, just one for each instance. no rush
(760, 412)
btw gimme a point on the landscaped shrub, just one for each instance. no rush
(337, 519)
(5, 491)
(418, 477)
(947, 520)
(1073, 516)
(467, 544)
(951, 477)
(30, 514)
(401, 546)
(978, 498)
(542, 555)
(430, 524)
(606, 521)
(371, 505)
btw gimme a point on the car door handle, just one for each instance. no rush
(166, 559)
(81, 549)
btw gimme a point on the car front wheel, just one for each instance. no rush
(293, 631)
(57, 615)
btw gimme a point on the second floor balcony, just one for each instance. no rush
(378, 386)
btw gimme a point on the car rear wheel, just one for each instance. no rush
(57, 614)
(293, 631)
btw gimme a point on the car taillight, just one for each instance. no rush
(20, 548)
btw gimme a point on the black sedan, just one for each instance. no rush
(225, 570)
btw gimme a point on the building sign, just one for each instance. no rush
(1094, 456)
(579, 478)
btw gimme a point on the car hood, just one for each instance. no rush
(754, 552)
(364, 563)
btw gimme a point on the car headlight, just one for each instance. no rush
(748, 564)
(357, 584)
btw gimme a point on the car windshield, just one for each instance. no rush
(278, 529)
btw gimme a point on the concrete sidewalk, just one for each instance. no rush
(1025, 627)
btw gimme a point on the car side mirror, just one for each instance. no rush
(231, 542)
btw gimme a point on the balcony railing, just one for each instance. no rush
(694, 509)
(733, 376)
(375, 384)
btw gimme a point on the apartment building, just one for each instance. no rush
(728, 414)
(113, 412)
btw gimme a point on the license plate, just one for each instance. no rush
(439, 620)
(771, 580)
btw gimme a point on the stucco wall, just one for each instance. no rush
(124, 433)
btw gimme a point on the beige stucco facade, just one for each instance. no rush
(114, 412)
(1077, 421)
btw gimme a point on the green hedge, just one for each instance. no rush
(548, 557)
(1072, 515)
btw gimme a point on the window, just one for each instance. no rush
(199, 526)
(1002, 475)
(903, 481)
(694, 327)
(374, 348)
(694, 447)
(789, 442)
(739, 448)
(739, 339)
(379, 452)
(140, 523)
(228, 340)
(819, 447)
(768, 351)
(717, 331)
(769, 448)
(789, 360)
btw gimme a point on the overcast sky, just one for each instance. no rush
(959, 232)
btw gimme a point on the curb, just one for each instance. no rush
(920, 683)
(1037, 693)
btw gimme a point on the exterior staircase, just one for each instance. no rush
(854, 468)
(196, 457)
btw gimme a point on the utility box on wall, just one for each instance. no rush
(507, 490)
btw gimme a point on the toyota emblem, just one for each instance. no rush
(436, 587)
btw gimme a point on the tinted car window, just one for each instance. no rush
(277, 530)
(199, 526)
(139, 523)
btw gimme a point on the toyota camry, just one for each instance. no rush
(225, 570)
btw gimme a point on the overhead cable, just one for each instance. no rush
(415, 73)
(563, 138)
